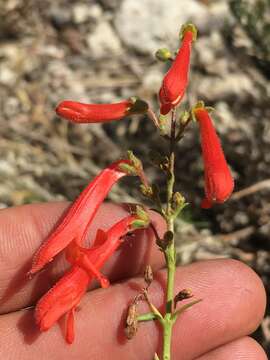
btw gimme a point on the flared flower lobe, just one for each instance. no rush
(61, 298)
(65, 295)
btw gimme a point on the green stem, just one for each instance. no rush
(147, 317)
(167, 336)
(170, 250)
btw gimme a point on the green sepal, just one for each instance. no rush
(138, 106)
(136, 162)
(142, 218)
(142, 214)
(199, 105)
(138, 224)
(163, 124)
(189, 27)
(128, 169)
(146, 190)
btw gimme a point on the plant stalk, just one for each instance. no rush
(170, 250)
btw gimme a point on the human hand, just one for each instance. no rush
(217, 328)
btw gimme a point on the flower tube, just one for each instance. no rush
(78, 112)
(92, 113)
(176, 79)
(219, 183)
(75, 223)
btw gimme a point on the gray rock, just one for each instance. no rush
(232, 85)
(220, 15)
(103, 41)
(82, 13)
(152, 80)
(149, 25)
(7, 76)
(211, 54)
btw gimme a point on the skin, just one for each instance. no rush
(217, 328)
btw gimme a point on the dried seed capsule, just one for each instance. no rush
(148, 275)
(131, 321)
(182, 295)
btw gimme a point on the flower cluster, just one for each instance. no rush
(219, 183)
(85, 263)
(70, 234)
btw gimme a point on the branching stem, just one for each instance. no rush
(170, 250)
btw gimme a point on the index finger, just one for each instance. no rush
(24, 228)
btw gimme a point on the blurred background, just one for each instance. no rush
(103, 51)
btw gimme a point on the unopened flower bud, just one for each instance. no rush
(176, 79)
(184, 118)
(178, 200)
(163, 55)
(190, 28)
(146, 190)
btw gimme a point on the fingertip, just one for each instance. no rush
(241, 349)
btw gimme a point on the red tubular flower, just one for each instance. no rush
(76, 221)
(93, 113)
(61, 299)
(176, 79)
(86, 264)
(219, 183)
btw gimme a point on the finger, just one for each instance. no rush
(232, 307)
(24, 228)
(242, 349)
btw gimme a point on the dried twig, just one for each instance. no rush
(261, 185)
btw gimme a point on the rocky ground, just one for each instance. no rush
(102, 51)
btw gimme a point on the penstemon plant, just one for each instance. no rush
(70, 234)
